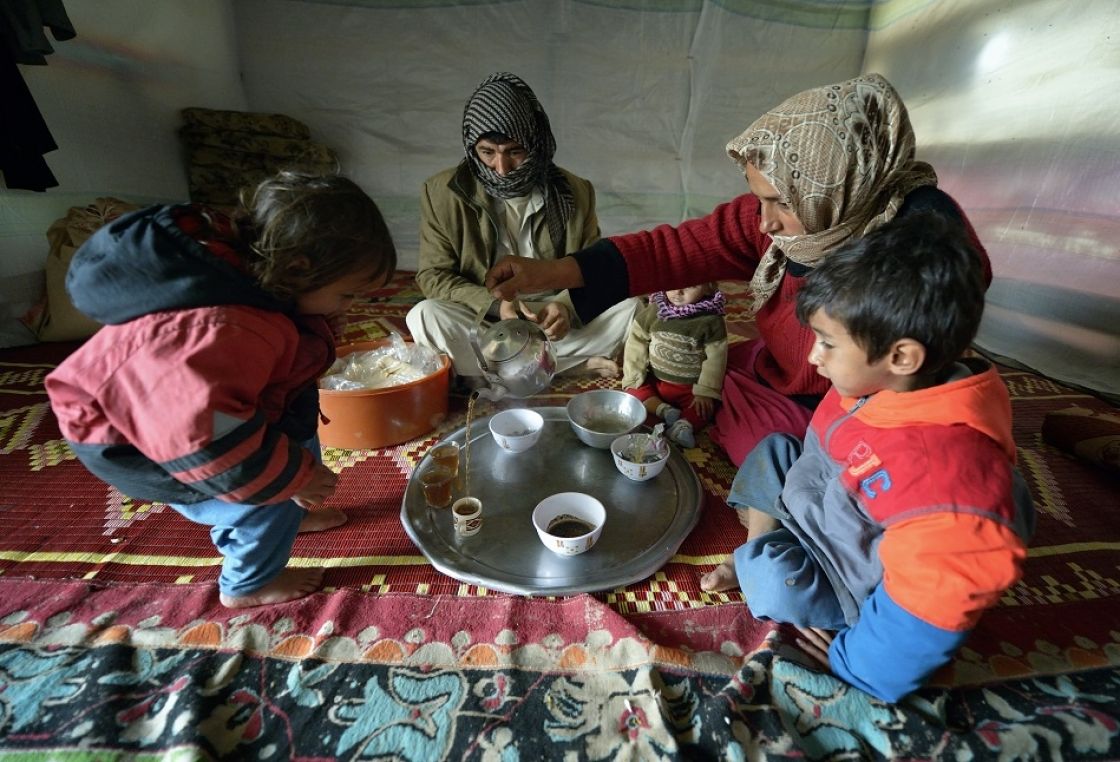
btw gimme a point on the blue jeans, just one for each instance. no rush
(781, 580)
(255, 540)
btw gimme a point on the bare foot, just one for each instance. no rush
(318, 520)
(603, 367)
(289, 585)
(721, 578)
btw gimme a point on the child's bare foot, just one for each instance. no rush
(318, 520)
(721, 578)
(603, 367)
(291, 584)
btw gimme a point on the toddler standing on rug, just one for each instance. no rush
(675, 357)
(901, 517)
(201, 389)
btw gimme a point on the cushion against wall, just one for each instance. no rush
(228, 151)
(1086, 434)
(243, 121)
(54, 318)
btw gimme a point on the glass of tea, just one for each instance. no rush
(436, 482)
(446, 455)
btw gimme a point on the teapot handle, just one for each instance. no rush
(474, 343)
(484, 366)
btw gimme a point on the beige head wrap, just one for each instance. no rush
(842, 157)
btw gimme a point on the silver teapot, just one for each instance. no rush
(516, 358)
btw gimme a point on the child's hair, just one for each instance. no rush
(708, 287)
(915, 277)
(307, 231)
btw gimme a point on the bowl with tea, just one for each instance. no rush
(516, 430)
(640, 456)
(600, 416)
(569, 523)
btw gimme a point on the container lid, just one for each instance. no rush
(508, 338)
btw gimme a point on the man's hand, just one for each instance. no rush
(508, 310)
(553, 318)
(705, 407)
(815, 642)
(514, 275)
(318, 489)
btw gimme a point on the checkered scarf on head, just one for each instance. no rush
(503, 103)
(842, 157)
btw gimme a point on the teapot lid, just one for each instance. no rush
(508, 338)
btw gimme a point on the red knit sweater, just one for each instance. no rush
(727, 245)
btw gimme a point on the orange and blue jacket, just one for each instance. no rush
(911, 504)
(200, 384)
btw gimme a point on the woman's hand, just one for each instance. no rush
(815, 642)
(514, 275)
(318, 489)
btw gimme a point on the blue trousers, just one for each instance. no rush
(780, 578)
(255, 540)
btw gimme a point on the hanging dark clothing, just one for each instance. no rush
(24, 136)
(22, 23)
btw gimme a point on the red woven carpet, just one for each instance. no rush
(57, 521)
(71, 547)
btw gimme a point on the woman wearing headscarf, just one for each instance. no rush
(507, 198)
(827, 164)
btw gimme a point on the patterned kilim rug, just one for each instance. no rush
(113, 643)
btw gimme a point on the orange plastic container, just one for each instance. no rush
(367, 418)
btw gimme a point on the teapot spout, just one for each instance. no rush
(492, 393)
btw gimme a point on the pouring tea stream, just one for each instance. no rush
(517, 359)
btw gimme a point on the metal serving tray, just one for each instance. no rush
(646, 521)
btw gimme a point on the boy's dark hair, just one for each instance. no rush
(307, 231)
(915, 277)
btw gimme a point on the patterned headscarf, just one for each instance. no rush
(503, 103)
(842, 157)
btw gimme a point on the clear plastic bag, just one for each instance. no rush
(396, 363)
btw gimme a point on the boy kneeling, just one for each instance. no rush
(901, 518)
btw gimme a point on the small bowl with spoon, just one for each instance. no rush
(641, 457)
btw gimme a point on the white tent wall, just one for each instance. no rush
(1010, 101)
(111, 98)
(1015, 104)
(642, 96)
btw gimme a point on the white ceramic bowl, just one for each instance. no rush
(626, 447)
(600, 416)
(569, 509)
(516, 430)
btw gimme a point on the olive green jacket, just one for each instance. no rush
(459, 236)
